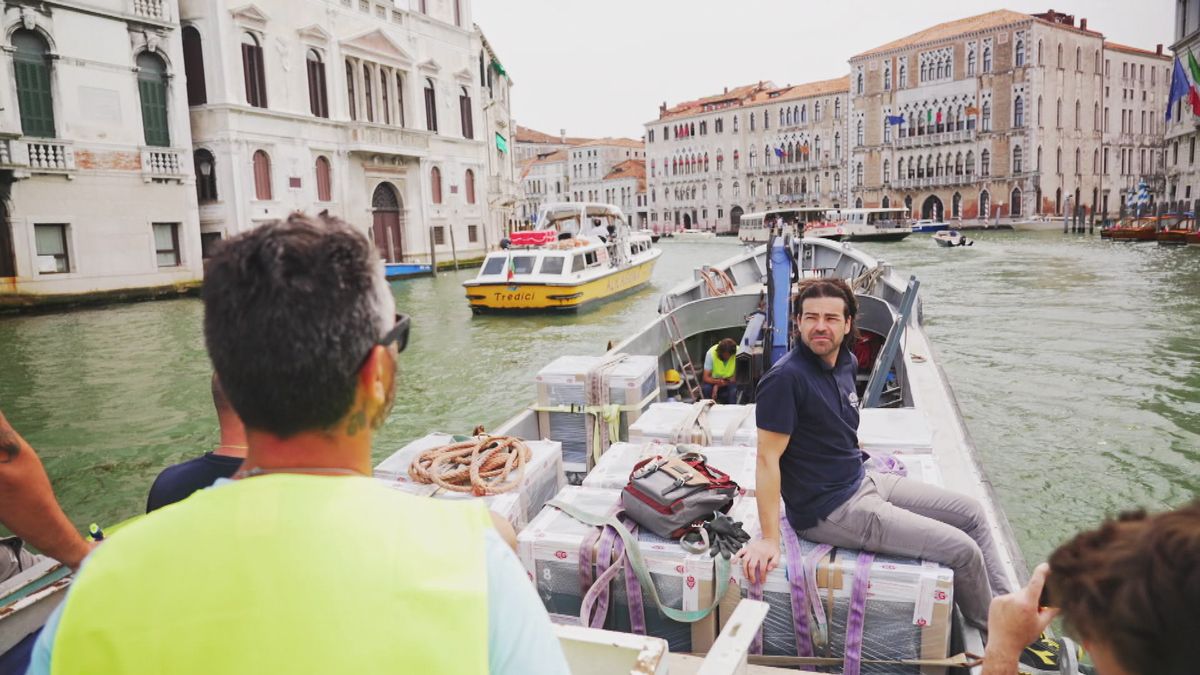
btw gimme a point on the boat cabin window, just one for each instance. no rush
(552, 264)
(578, 263)
(592, 258)
(523, 264)
(494, 265)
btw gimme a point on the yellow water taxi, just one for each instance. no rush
(581, 253)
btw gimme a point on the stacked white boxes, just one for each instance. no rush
(613, 469)
(542, 480)
(632, 384)
(727, 424)
(903, 431)
(909, 605)
(549, 550)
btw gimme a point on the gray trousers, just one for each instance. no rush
(905, 517)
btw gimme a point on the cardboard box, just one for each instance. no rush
(728, 425)
(895, 431)
(908, 613)
(543, 478)
(613, 469)
(563, 382)
(549, 550)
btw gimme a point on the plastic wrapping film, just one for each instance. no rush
(661, 421)
(613, 469)
(543, 478)
(564, 382)
(903, 431)
(549, 550)
(909, 602)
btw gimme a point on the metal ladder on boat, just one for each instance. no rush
(687, 369)
(891, 346)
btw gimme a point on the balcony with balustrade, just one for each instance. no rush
(163, 164)
(931, 139)
(28, 156)
(157, 10)
(382, 139)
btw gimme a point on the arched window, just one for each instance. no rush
(956, 205)
(858, 132)
(837, 109)
(903, 75)
(1019, 112)
(737, 189)
(1096, 116)
(985, 163)
(262, 176)
(886, 203)
(465, 115)
(837, 182)
(1079, 59)
(31, 65)
(970, 164)
(193, 66)
(837, 146)
(859, 86)
(887, 76)
(430, 106)
(435, 184)
(1039, 53)
(858, 175)
(318, 98)
(206, 176)
(1014, 203)
(469, 185)
(1058, 161)
(1079, 165)
(351, 99)
(1038, 164)
(254, 71)
(1039, 112)
(1077, 126)
(1020, 50)
(900, 169)
(958, 164)
(1017, 157)
(368, 93)
(152, 89)
(324, 180)
(1058, 114)
(753, 188)
(1060, 63)
(987, 116)
(987, 59)
(985, 204)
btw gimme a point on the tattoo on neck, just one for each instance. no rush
(357, 422)
(10, 447)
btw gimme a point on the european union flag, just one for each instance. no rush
(895, 119)
(779, 152)
(1179, 86)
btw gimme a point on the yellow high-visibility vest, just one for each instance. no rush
(285, 573)
(722, 370)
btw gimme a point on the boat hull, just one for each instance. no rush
(1173, 237)
(406, 270)
(533, 297)
(934, 227)
(879, 236)
(1130, 234)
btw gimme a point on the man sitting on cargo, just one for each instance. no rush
(808, 452)
(720, 366)
(179, 481)
(305, 564)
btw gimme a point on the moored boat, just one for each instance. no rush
(949, 238)
(406, 270)
(1132, 229)
(863, 225)
(929, 226)
(1178, 230)
(580, 254)
(756, 228)
(690, 234)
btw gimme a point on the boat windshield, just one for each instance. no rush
(494, 265)
(552, 264)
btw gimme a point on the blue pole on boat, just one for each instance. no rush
(781, 292)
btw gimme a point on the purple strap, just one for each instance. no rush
(587, 559)
(810, 578)
(799, 596)
(755, 592)
(887, 464)
(594, 608)
(633, 587)
(857, 614)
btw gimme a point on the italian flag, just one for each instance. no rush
(511, 268)
(1193, 94)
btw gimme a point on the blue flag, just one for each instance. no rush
(895, 119)
(1179, 86)
(779, 152)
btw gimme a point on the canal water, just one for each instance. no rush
(1075, 362)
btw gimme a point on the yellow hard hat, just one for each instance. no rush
(672, 376)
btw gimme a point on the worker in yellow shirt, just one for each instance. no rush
(720, 367)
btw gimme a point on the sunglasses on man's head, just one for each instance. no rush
(398, 333)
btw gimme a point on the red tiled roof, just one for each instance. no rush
(995, 19)
(527, 135)
(630, 168)
(735, 95)
(834, 86)
(617, 142)
(1134, 50)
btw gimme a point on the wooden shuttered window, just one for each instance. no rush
(152, 89)
(318, 97)
(253, 71)
(464, 111)
(31, 66)
(262, 176)
(469, 184)
(430, 106)
(435, 180)
(324, 180)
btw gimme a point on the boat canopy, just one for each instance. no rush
(581, 218)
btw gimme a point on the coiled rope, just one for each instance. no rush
(482, 466)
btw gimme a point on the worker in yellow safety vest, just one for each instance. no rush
(303, 563)
(720, 367)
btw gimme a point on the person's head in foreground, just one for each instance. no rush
(825, 310)
(302, 331)
(1128, 590)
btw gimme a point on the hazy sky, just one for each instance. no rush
(602, 67)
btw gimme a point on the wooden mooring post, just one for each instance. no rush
(453, 248)
(432, 252)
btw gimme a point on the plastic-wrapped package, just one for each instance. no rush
(613, 469)
(727, 424)
(549, 548)
(907, 612)
(543, 478)
(902, 431)
(632, 384)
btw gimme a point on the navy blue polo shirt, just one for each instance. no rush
(817, 406)
(178, 482)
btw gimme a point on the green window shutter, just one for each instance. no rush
(33, 96)
(153, 91)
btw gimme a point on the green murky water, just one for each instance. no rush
(1075, 360)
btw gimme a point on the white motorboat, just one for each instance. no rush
(949, 238)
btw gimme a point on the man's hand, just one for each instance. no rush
(1015, 621)
(759, 558)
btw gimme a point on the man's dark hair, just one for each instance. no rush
(727, 346)
(1132, 585)
(291, 310)
(220, 400)
(829, 288)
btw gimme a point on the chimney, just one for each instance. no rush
(1083, 23)
(1158, 49)
(562, 136)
